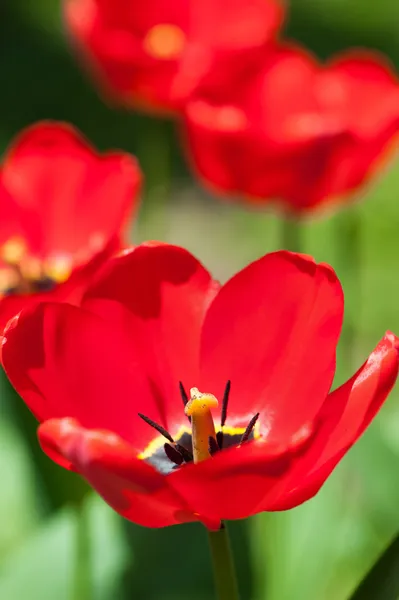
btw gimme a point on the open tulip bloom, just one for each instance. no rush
(63, 211)
(181, 400)
(153, 54)
(284, 127)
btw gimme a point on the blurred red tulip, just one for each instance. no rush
(156, 317)
(283, 127)
(152, 54)
(63, 207)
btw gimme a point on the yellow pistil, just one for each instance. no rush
(164, 41)
(199, 409)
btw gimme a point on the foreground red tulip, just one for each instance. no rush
(287, 128)
(63, 208)
(152, 54)
(258, 431)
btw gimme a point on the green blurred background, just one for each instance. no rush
(316, 552)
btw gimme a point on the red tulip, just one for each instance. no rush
(152, 54)
(288, 128)
(63, 207)
(263, 344)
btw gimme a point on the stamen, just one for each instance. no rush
(164, 41)
(213, 446)
(199, 409)
(173, 454)
(13, 251)
(184, 396)
(158, 427)
(223, 417)
(186, 454)
(225, 403)
(249, 429)
(183, 393)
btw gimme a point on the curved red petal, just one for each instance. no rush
(9, 223)
(273, 330)
(130, 486)
(233, 483)
(345, 415)
(49, 434)
(66, 362)
(11, 305)
(70, 199)
(73, 289)
(372, 90)
(158, 295)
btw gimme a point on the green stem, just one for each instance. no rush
(81, 588)
(155, 154)
(223, 565)
(349, 263)
(291, 238)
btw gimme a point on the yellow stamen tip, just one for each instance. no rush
(165, 41)
(13, 250)
(58, 268)
(199, 403)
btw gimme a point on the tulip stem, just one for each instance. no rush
(349, 267)
(290, 237)
(82, 571)
(155, 154)
(223, 565)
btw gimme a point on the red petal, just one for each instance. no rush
(66, 362)
(11, 305)
(233, 483)
(62, 188)
(273, 330)
(372, 91)
(130, 486)
(158, 295)
(346, 414)
(9, 222)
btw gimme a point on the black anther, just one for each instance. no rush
(225, 403)
(213, 445)
(173, 454)
(186, 454)
(184, 396)
(158, 427)
(249, 429)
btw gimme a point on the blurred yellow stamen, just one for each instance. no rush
(31, 268)
(199, 409)
(25, 273)
(13, 251)
(8, 279)
(58, 268)
(164, 41)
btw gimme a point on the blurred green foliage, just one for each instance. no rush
(316, 552)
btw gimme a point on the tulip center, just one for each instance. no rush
(22, 273)
(164, 41)
(200, 441)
